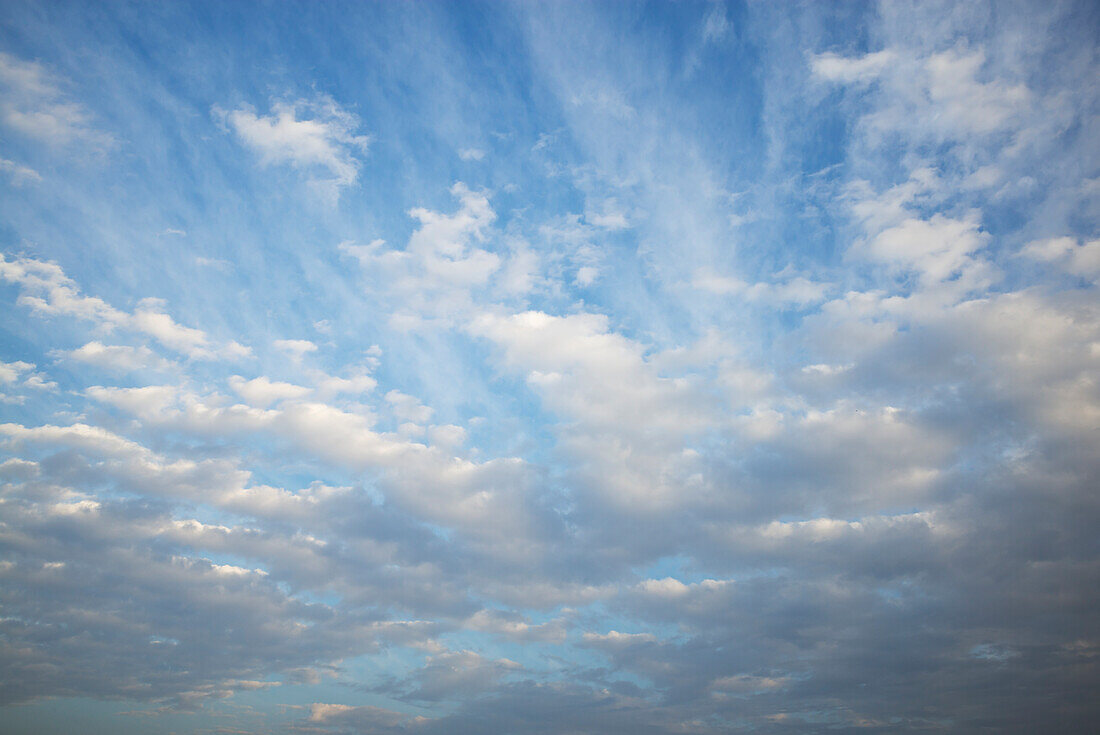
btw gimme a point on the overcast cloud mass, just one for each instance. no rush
(549, 367)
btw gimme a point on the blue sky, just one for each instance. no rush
(549, 367)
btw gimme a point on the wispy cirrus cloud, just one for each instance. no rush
(35, 105)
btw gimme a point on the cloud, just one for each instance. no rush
(1078, 258)
(10, 371)
(609, 216)
(945, 89)
(937, 248)
(49, 292)
(592, 450)
(797, 291)
(441, 267)
(408, 407)
(36, 106)
(122, 358)
(262, 392)
(458, 675)
(849, 70)
(19, 174)
(296, 348)
(315, 137)
(360, 717)
(164, 329)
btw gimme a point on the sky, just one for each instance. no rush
(556, 368)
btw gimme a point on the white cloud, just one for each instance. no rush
(966, 102)
(799, 291)
(262, 392)
(165, 330)
(1078, 258)
(408, 407)
(586, 276)
(849, 70)
(331, 385)
(937, 248)
(471, 154)
(609, 215)
(19, 174)
(441, 266)
(614, 638)
(49, 292)
(941, 95)
(36, 106)
(296, 348)
(10, 371)
(316, 137)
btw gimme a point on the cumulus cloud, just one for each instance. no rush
(443, 266)
(10, 371)
(315, 137)
(122, 358)
(262, 392)
(47, 291)
(798, 291)
(296, 348)
(1078, 258)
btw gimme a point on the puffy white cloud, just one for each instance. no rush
(937, 248)
(122, 358)
(945, 89)
(434, 277)
(296, 348)
(331, 385)
(851, 69)
(408, 407)
(10, 371)
(316, 137)
(967, 102)
(165, 330)
(1078, 258)
(49, 292)
(262, 392)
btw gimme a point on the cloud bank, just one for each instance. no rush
(731, 371)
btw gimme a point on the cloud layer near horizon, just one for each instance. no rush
(526, 368)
